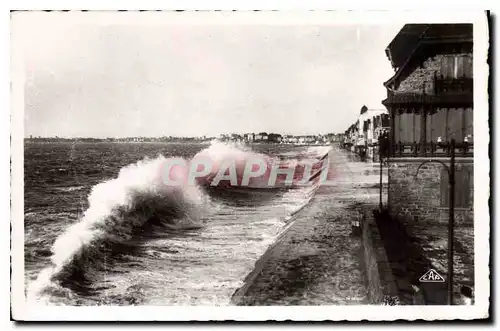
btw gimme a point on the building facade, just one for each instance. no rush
(367, 135)
(362, 136)
(350, 137)
(430, 103)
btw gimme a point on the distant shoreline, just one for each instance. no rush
(205, 142)
(113, 141)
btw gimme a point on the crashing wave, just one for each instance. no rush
(138, 197)
(118, 208)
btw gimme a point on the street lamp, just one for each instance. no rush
(384, 147)
(451, 188)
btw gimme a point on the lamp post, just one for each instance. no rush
(451, 188)
(380, 188)
(383, 151)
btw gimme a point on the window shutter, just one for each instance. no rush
(416, 125)
(468, 66)
(452, 65)
(444, 66)
(460, 66)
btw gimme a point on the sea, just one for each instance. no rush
(102, 229)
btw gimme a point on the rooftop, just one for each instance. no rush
(411, 36)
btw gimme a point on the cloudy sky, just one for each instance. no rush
(119, 79)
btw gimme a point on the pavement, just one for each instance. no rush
(317, 261)
(432, 238)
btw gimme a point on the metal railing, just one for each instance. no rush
(449, 92)
(431, 149)
(444, 85)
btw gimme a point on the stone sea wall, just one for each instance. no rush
(418, 198)
(380, 283)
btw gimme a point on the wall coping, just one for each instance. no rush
(371, 236)
(456, 208)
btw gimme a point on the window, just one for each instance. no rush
(468, 66)
(456, 66)
(397, 128)
(429, 127)
(438, 124)
(451, 123)
(385, 120)
(416, 127)
(469, 124)
(462, 188)
(454, 126)
(448, 66)
(407, 127)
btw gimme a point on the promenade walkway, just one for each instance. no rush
(316, 261)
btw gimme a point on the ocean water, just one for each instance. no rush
(102, 228)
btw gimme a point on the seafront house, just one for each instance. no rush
(367, 140)
(362, 136)
(248, 137)
(352, 137)
(381, 124)
(349, 138)
(275, 138)
(430, 99)
(430, 102)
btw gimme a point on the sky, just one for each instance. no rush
(118, 79)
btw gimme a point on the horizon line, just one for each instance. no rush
(171, 136)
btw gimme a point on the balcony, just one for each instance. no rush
(446, 92)
(453, 86)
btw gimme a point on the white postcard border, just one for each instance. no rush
(22, 311)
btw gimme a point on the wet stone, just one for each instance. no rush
(317, 261)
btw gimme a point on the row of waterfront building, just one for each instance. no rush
(363, 135)
(264, 137)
